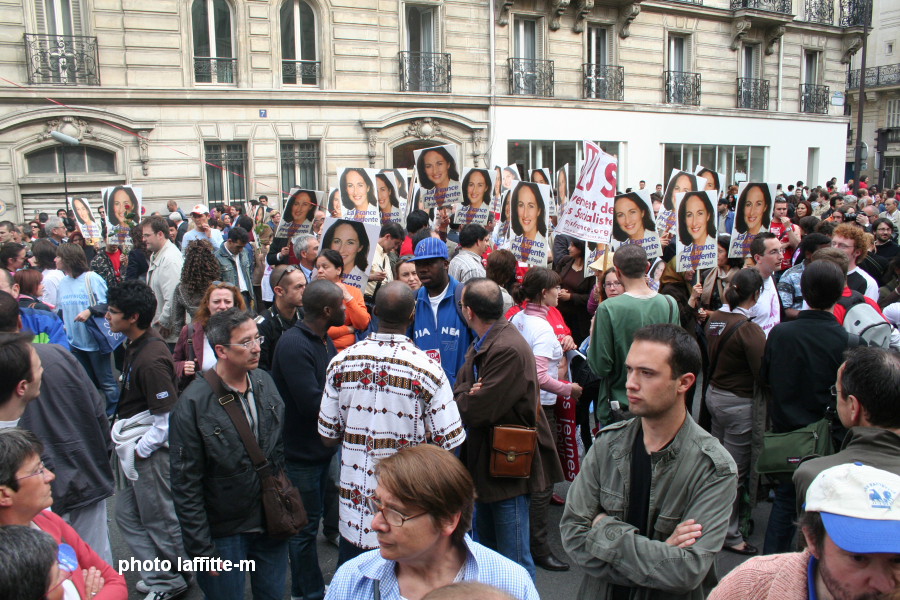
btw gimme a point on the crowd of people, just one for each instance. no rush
(420, 418)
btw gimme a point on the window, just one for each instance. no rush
(59, 53)
(529, 74)
(811, 67)
(58, 17)
(737, 163)
(214, 60)
(528, 39)
(598, 51)
(420, 29)
(603, 80)
(299, 60)
(552, 154)
(893, 113)
(679, 53)
(889, 48)
(80, 159)
(299, 165)
(423, 68)
(891, 171)
(225, 176)
(682, 86)
(751, 69)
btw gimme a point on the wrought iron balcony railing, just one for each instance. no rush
(604, 82)
(425, 72)
(214, 70)
(753, 93)
(530, 77)
(304, 72)
(779, 6)
(62, 59)
(697, 2)
(856, 12)
(875, 77)
(819, 11)
(682, 88)
(814, 98)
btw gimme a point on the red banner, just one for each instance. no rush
(567, 436)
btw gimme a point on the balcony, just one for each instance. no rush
(682, 88)
(304, 72)
(854, 13)
(875, 77)
(753, 94)
(814, 98)
(777, 6)
(425, 72)
(604, 82)
(61, 59)
(819, 11)
(214, 70)
(530, 77)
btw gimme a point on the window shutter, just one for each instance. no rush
(610, 46)
(77, 21)
(539, 39)
(40, 17)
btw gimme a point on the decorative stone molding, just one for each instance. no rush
(738, 30)
(70, 126)
(503, 8)
(583, 8)
(627, 14)
(144, 151)
(372, 142)
(850, 46)
(773, 35)
(477, 140)
(424, 129)
(557, 9)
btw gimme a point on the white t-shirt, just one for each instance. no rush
(871, 285)
(436, 300)
(539, 335)
(767, 311)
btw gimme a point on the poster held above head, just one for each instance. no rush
(400, 181)
(599, 258)
(679, 182)
(355, 242)
(123, 211)
(509, 176)
(437, 172)
(477, 186)
(588, 213)
(540, 176)
(299, 212)
(695, 244)
(359, 201)
(390, 205)
(633, 222)
(335, 207)
(752, 216)
(529, 222)
(89, 226)
(714, 180)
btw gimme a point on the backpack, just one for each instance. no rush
(863, 320)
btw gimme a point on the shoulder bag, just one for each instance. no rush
(782, 453)
(282, 505)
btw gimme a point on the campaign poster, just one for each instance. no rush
(695, 242)
(562, 185)
(390, 205)
(709, 179)
(355, 242)
(588, 213)
(300, 212)
(359, 201)
(88, 225)
(679, 182)
(752, 216)
(599, 258)
(509, 177)
(633, 222)
(335, 206)
(477, 187)
(502, 223)
(123, 211)
(437, 173)
(529, 220)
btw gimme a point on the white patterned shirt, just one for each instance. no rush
(382, 394)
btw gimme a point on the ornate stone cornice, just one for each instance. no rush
(627, 14)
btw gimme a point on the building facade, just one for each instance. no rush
(222, 100)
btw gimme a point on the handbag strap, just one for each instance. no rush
(191, 355)
(227, 401)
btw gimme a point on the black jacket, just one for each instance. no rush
(298, 368)
(272, 326)
(214, 485)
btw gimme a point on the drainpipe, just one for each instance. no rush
(780, 66)
(493, 81)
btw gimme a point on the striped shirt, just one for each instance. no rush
(382, 394)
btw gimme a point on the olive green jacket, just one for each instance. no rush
(694, 477)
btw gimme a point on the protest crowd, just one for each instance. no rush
(412, 362)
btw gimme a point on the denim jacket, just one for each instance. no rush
(692, 478)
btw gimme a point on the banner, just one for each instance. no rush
(567, 436)
(588, 213)
(714, 181)
(391, 205)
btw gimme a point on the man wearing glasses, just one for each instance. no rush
(217, 491)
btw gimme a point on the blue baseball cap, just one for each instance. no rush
(430, 248)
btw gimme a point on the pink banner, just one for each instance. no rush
(566, 436)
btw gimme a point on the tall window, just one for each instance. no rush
(300, 63)
(751, 69)
(420, 29)
(679, 53)
(225, 176)
(737, 163)
(528, 39)
(214, 60)
(299, 165)
(530, 75)
(58, 17)
(811, 67)
(598, 46)
(891, 171)
(893, 113)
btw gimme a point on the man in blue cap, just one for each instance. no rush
(851, 524)
(439, 328)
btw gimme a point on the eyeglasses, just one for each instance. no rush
(290, 269)
(41, 470)
(393, 517)
(258, 341)
(612, 284)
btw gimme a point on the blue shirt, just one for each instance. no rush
(356, 578)
(73, 298)
(446, 340)
(215, 238)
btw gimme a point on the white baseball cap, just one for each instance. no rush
(859, 506)
(200, 209)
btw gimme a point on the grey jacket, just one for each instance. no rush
(693, 478)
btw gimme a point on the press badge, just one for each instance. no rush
(716, 327)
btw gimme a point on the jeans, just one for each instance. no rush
(306, 575)
(503, 526)
(99, 369)
(267, 577)
(781, 531)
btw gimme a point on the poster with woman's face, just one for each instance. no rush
(562, 185)
(299, 212)
(542, 176)
(709, 179)
(123, 211)
(477, 187)
(355, 242)
(679, 182)
(390, 205)
(529, 221)
(509, 177)
(633, 223)
(359, 199)
(752, 216)
(334, 207)
(89, 226)
(695, 244)
(595, 252)
(437, 172)
(401, 179)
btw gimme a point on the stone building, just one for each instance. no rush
(281, 93)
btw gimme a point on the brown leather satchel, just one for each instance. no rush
(512, 450)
